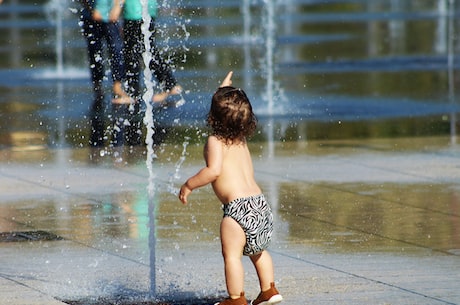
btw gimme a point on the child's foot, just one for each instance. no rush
(162, 96)
(177, 89)
(229, 301)
(120, 96)
(268, 297)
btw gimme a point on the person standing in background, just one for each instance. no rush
(106, 13)
(96, 31)
(133, 49)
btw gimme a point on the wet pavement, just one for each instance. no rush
(363, 222)
(362, 177)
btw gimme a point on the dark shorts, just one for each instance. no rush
(255, 216)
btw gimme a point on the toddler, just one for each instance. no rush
(247, 225)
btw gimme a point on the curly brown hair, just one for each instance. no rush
(231, 117)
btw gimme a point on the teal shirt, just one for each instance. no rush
(104, 7)
(133, 9)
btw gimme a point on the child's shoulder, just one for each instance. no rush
(214, 140)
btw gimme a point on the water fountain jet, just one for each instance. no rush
(150, 125)
(269, 52)
(450, 68)
(272, 87)
(56, 10)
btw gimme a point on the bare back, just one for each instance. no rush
(236, 179)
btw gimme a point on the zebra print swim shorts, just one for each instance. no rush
(255, 216)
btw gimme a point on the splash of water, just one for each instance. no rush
(57, 13)
(451, 75)
(54, 12)
(182, 35)
(171, 188)
(246, 10)
(269, 52)
(272, 87)
(150, 126)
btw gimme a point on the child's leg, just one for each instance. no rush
(233, 240)
(94, 34)
(115, 46)
(264, 267)
(117, 64)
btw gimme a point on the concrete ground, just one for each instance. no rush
(104, 257)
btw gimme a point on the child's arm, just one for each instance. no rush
(228, 80)
(115, 12)
(97, 12)
(208, 174)
(97, 15)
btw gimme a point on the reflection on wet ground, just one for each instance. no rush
(333, 217)
(363, 217)
(395, 200)
(331, 213)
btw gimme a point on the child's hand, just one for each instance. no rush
(115, 13)
(228, 80)
(97, 15)
(184, 192)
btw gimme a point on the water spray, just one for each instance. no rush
(149, 123)
(55, 11)
(171, 188)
